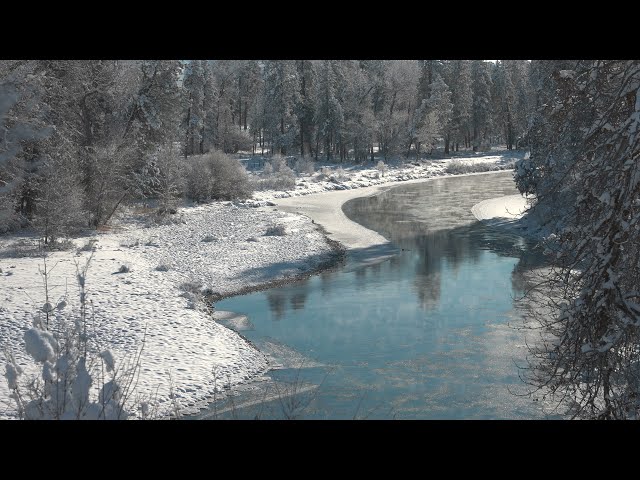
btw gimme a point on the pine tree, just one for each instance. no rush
(281, 97)
(481, 118)
(438, 111)
(462, 97)
(306, 108)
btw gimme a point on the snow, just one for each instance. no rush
(181, 341)
(109, 361)
(510, 207)
(39, 345)
(508, 213)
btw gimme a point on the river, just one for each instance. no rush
(427, 333)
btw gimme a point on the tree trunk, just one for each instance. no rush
(186, 139)
(282, 132)
(447, 141)
(245, 115)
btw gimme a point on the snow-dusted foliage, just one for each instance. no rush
(216, 176)
(80, 138)
(277, 175)
(77, 380)
(585, 172)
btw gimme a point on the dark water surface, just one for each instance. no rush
(422, 335)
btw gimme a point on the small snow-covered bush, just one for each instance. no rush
(323, 174)
(89, 245)
(124, 269)
(276, 176)
(382, 168)
(191, 287)
(305, 165)
(275, 231)
(78, 379)
(339, 175)
(162, 268)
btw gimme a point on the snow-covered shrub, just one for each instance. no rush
(275, 231)
(339, 175)
(382, 168)
(162, 268)
(78, 379)
(456, 167)
(216, 176)
(527, 175)
(279, 163)
(305, 165)
(191, 287)
(124, 269)
(323, 174)
(89, 245)
(277, 175)
(194, 294)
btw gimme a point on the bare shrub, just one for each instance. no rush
(275, 231)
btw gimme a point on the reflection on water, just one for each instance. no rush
(424, 334)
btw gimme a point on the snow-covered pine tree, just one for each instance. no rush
(281, 89)
(306, 108)
(481, 113)
(462, 98)
(438, 109)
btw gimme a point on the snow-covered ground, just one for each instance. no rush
(221, 247)
(509, 207)
(181, 341)
(508, 213)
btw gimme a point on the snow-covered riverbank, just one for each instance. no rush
(508, 213)
(220, 247)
